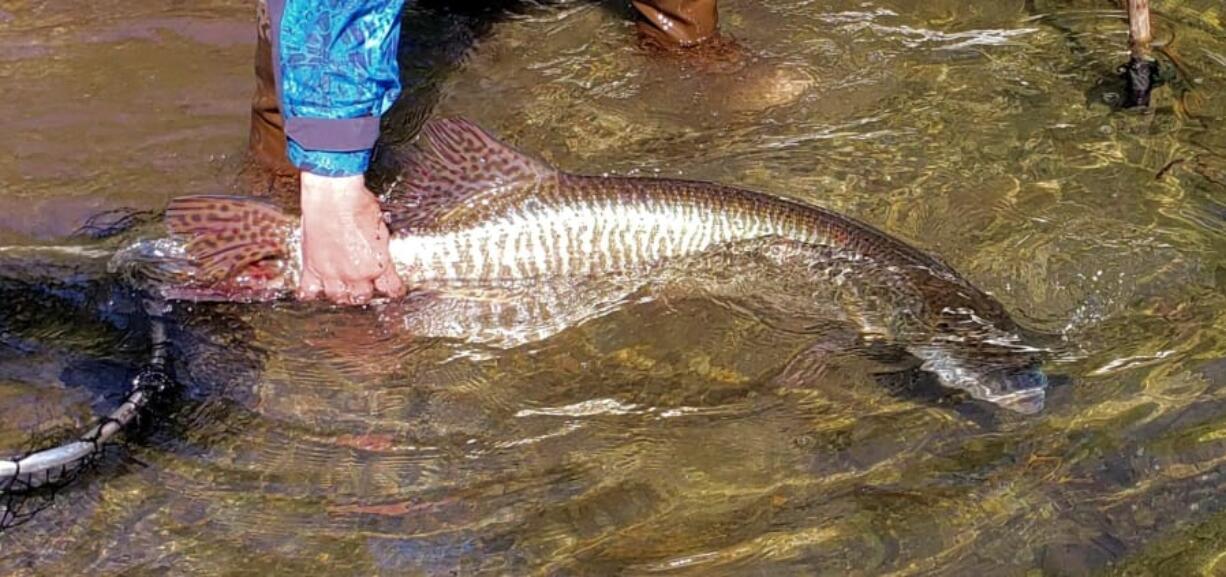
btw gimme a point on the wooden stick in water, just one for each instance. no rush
(1139, 35)
(1141, 70)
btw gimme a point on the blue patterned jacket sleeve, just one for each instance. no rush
(337, 74)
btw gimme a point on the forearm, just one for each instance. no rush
(336, 75)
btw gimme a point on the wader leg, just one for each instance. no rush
(1141, 72)
(266, 143)
(678, 22)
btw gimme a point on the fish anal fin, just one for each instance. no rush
(456, 165)
(226, 234)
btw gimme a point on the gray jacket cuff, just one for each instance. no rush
(333, 134)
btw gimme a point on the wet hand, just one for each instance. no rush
(344, 242)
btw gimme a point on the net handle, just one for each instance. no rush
(35, 468)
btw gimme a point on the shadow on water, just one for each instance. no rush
(72, 341)
(437, 37)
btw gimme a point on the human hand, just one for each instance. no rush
(344, 242)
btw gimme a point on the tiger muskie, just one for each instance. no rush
(471, 212)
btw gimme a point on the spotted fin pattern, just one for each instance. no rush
(226, 234)
(454, 165)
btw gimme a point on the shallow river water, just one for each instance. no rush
(672, 436)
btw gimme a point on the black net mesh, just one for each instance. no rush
(66, 321)
(26, 493)
(23, 496)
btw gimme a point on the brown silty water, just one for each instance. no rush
(677, 434)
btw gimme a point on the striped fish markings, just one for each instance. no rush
(503, 238)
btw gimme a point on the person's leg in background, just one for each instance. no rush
(748, 81)
(691, 26)
(678, 23)
(670, 23)
(271, 171)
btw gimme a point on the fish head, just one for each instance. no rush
(988, 358)
(1014, 381)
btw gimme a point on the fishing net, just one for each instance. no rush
(29, 483)
(41, 289)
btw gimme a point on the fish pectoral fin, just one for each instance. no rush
(456, 165)
(811, 364)
(226, 234)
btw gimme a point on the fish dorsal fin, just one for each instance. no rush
(455, 166)
(225, 234)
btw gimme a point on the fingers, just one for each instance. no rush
(309, 286)
(360, 292)
(389, 283)
(353, 292)
(336, 290)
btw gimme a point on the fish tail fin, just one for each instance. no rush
(225, 234)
